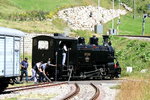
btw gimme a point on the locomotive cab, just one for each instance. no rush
(45, 47)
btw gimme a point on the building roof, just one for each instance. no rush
(11, 32)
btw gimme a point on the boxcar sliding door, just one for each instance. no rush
(9, 56)
(16, 57)
(2, 53)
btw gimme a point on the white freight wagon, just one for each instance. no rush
(9, 56)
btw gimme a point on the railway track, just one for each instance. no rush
(133, 36)
(81, 90)
(90, 91)
(97, 93)
(75, 94)
(28, 87)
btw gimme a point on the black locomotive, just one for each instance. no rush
(74, 59)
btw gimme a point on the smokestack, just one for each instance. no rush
(105, 39)
(81, 40)
(94, 40)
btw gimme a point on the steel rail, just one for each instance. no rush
(74, 93)
(33, 87)
(133, 36)
(27, 85)
(97, 93)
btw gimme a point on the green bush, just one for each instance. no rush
(134, 53)
(59, 23)
(29, 15)
(140, 7)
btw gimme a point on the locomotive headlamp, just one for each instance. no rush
(87, 59)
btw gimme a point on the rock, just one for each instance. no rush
(144, 70)
(129, 69)
(86, 17)
(126, 7)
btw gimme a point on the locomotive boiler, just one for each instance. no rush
(74, 58)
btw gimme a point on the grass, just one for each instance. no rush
(43, 4)
(23, 84)
(130, 26)
(134, 90)
(50, 5)
(59, 23)
(115, 87)
(7, 8)
(132, 53)
(31, 26)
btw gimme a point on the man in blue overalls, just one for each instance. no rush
(24, 67)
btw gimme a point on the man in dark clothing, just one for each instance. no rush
(24, 67)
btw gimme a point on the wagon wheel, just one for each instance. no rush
(111, 77)
(3, 86)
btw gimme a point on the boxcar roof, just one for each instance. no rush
(11, 32)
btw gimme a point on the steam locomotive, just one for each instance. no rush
(79, 60)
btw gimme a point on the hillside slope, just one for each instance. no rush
(33, 16)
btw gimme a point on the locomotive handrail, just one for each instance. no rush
(91, 71)
(70, 73)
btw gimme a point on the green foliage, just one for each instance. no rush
(12, 98)
(83, 33)
(28, 15)
(130, 26)
(28, 10)
(59, 23)
(140, 5)
(132, 53)
(47, 5)
(115, 87)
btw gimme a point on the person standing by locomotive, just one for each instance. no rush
(39, 70)
(24, 67)
(36, 69)
(64, 51)
(49, 61)
(34, 73)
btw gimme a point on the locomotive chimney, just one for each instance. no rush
(81, 40)
(94, 40)
(105, 39)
